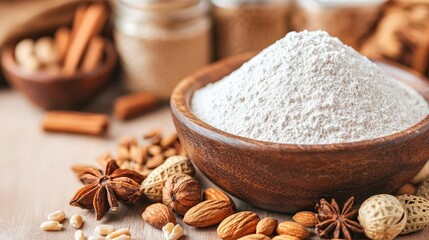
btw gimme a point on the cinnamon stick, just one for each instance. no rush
(90, 26)
(75, 122)
(132, 105)
(61, 43)
(94, 54)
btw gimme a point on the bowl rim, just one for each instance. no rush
(9, 64)
(183, 92)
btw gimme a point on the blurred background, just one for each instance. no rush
(62, 53)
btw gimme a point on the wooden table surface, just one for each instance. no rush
(36, 177)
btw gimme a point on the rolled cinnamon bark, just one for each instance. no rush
(135, 104)
(75, 122)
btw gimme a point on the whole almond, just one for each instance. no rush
(238, 225)
(266, 226)
(208, 213)
(285, 237)
(306, 218)
(292, 229)
(217, 194)
(158, 215)
(255, 236)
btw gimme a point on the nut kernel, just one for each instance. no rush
(79, 235)
(104, 230)
(76, 221)
(118, 233)
(57, 216)
(51, 226)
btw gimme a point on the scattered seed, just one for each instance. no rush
(76, 221)
(51, 226)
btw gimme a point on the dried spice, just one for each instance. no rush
(335, 223)
(102, 192)
(143, 158)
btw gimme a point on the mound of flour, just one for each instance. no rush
(309, 88)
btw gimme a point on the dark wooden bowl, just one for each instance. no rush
(288, 177)
(58, 91)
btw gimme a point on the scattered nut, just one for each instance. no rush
(172, 232)
(181, 192)
(51, 226)
(117, 233)
(152, 133)
(208, 213)
(96, 238)
(44, 50)
(255, 236)
(423, 189)
(57, 216)
(417, 209)
(217, 194)
(407, 189)
(23, 50)
(155, 161)
(76, 221)
(154, 183)
(422, 175)
(104, 230)
(122, 237)
(285, 237)
(158, 215)
(238, 225)
(168, 140)
(292, 229)
(266, 226)
(79, 235)
(305, 218)
(382, 217)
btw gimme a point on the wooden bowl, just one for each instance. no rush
(287, 177)
(58, 91)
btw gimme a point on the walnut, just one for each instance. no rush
(181, 192)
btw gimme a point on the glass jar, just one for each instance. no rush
(248, 25)
(161, 42)
(350, 21)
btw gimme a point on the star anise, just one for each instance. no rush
(102, 192)
(335, 223)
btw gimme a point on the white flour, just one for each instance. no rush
(309, 88)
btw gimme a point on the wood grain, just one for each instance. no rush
(289, 177)
(36, 178)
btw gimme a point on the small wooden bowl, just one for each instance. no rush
(58, 91)
(287, 177)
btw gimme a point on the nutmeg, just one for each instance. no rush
(181, 192)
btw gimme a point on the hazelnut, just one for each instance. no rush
(181, 192)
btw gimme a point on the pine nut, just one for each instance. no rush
(96, 238)
(57, 216)
(118, 233)
(172, 232)
(51, 226)
(79, 235)
(76, 221)
(104, 230)
(122, 237)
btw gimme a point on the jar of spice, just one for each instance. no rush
(248, 25)
(160, 42)
(350, 21)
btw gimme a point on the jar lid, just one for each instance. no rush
(234, 3)
(142, 10)
(340, 3)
